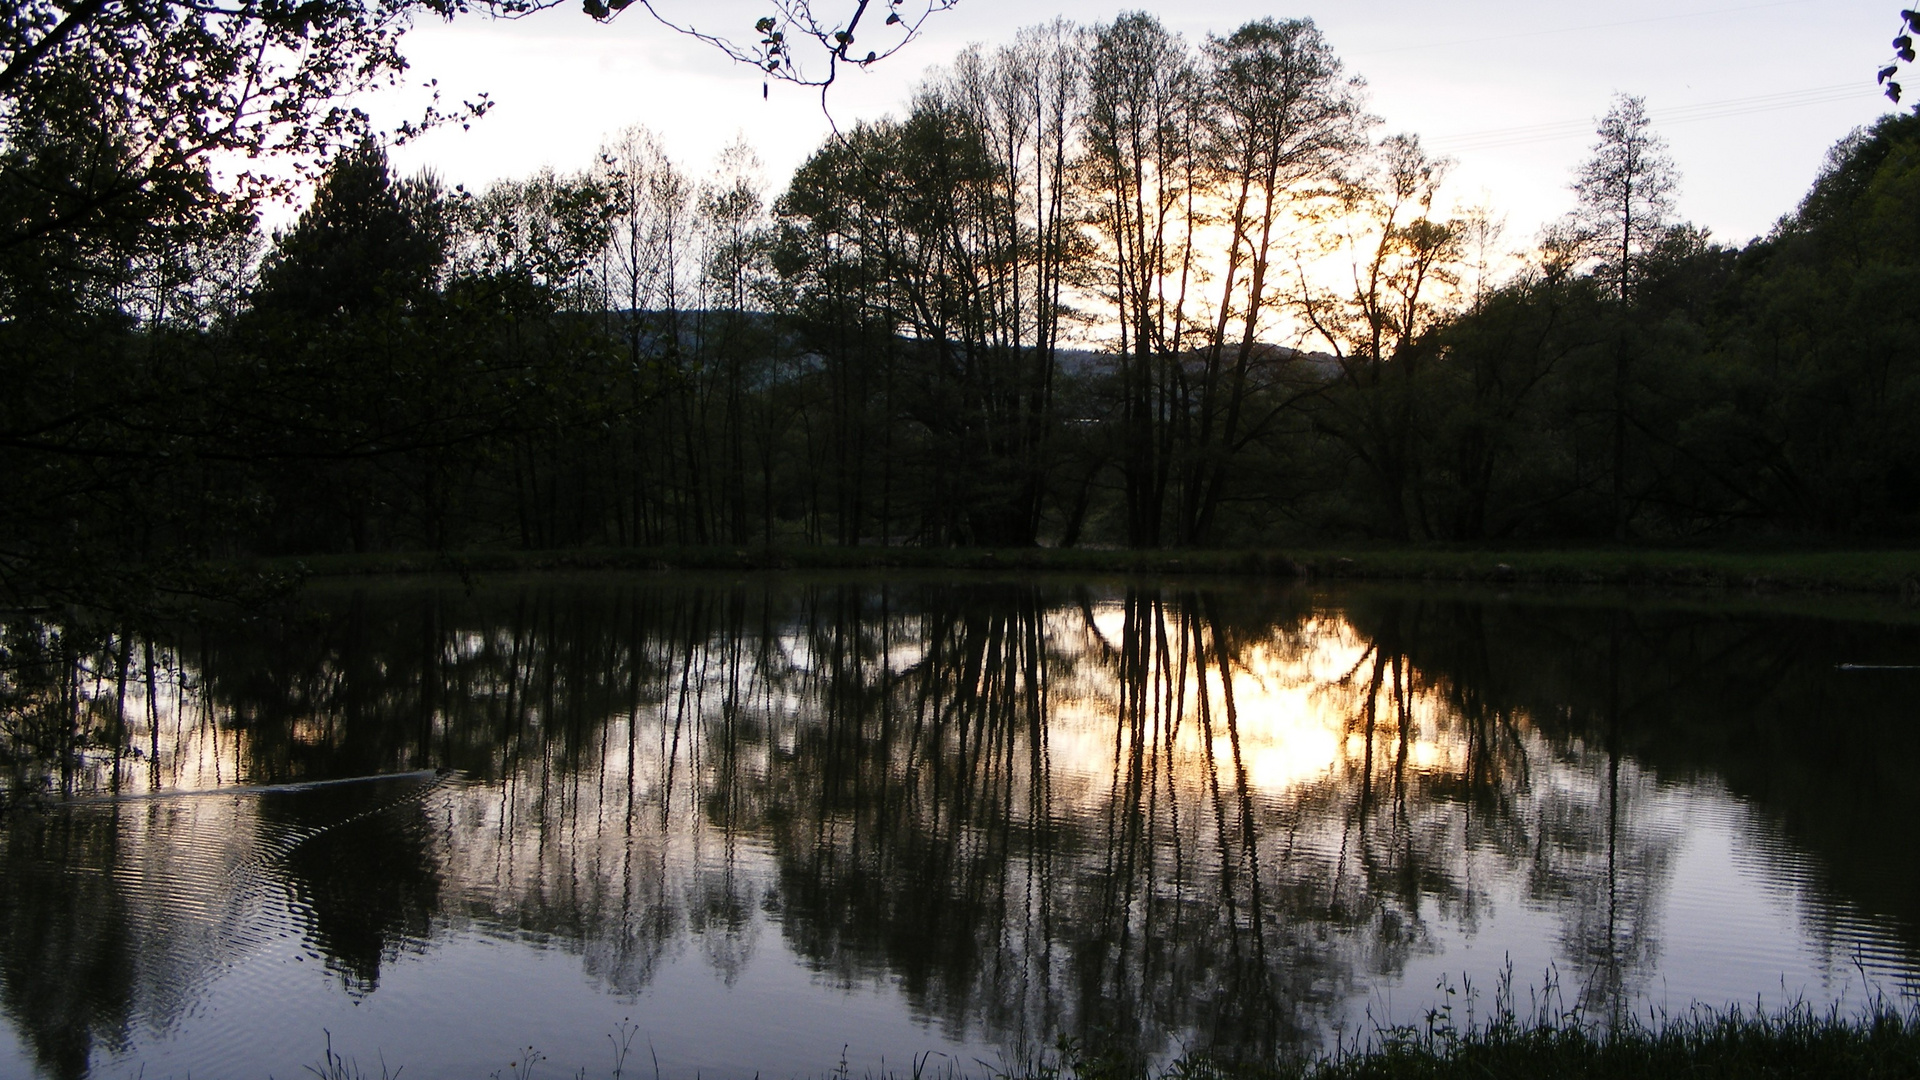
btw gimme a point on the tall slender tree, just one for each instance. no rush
(1626, 191)
(1144, 168)
(732, 208)
(1283, 119)
(642, 266)
(1400, 257)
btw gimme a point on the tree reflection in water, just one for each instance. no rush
(1140, 816)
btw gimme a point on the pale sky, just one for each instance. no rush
(1749, 97)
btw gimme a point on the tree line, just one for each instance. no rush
(1096, 285)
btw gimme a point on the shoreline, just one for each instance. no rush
(1885, 572)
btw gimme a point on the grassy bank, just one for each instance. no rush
(1896, 572)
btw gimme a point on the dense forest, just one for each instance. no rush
(1096, 286)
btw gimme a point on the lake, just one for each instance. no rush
(776, 825)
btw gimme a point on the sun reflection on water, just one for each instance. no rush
(1303, 707)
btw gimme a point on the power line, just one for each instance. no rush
(1426, 45)
(1500, 138)
(1784, 97)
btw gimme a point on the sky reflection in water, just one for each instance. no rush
(769, 821)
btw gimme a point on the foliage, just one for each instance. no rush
(1902, 53)
(365, 241)
(925, 260)
(882, 354)
(175, 83)
(1766, 388)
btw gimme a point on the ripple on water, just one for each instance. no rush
(200, 894)
(1752, 918)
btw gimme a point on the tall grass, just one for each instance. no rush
(1549, 1038)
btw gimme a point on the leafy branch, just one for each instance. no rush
(1902, 53)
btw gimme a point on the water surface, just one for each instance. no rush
(769, 826)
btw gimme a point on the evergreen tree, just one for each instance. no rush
(367, 242)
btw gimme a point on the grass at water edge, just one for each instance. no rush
(1880, 1043)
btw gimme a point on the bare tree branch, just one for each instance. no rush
(795, 39)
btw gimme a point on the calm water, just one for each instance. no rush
(766, 826)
